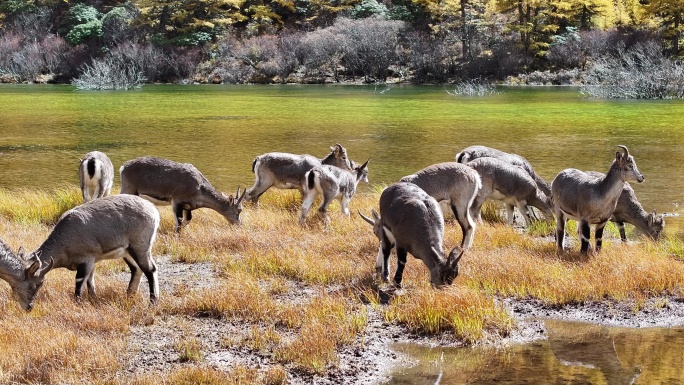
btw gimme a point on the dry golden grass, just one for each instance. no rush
(326, 323)
(199, 375)
(469, 315)
(508, 263)
(62, 341)
(299, 291)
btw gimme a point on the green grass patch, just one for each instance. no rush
(38, 206)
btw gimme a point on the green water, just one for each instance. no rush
(220, 129)
(574, 353)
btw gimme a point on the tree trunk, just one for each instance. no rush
(584, 19)
(465, 38)
(675, 38)
(521, 13)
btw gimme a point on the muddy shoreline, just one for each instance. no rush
(369, 359)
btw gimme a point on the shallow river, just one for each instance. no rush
(575, 353)
(220, 129)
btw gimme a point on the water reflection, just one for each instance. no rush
(574, 353)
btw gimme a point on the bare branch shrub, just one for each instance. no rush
(370, 45)
(24, 59)
(432, 58)
(321, 52)
(146, 58)
(258, 59)
(180, 64)
(641, 72)
(125, 67)
(473, 87)
(566, 50)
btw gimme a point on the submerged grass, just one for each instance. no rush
(300, 292)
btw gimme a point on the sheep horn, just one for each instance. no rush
(365, 218)
(624, 149)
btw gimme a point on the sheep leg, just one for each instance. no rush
(328, 197)
(510, 214)
(306, 205)
(524, 211)
(260, 187)
(476, 209)
(598, 234)
(143, 258)
(344, 205)
(585, 235)
(85, 192)
(382, 262)
(102, 189)
(621, 228)
(560, 231)
(465, 220)
(83, 271)
(178, 213)
(136, 274)
(401, 263)
(91, 283)
(96, 192)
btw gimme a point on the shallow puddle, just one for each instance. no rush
(574, 353)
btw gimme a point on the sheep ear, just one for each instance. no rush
(376, 216)
(652, 218)
(455, 256)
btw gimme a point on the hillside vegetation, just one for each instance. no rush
(121, 45)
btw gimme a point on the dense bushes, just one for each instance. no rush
(28, 50)
(640, 72)
(366, 48)
(359, 41)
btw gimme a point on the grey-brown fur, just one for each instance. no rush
(590, 199)
(629, 210)
(286, 171)
(23, 275)
(332, 183)
(182, 185)
(510, 184)
(456, 184)
(119, 226)
(473, 152)
(96, 175)
(412, 221)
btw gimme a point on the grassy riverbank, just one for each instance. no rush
(300, 302)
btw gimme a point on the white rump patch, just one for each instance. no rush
(389, 235)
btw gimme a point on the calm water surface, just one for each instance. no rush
(574, 353)
(220, 129)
